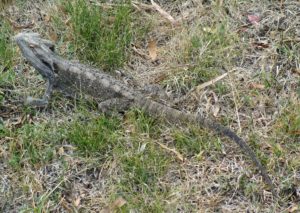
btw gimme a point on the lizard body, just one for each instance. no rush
(67, 75)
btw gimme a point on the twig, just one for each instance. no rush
(140, 53)
(164, 13)
(195, 91)
(208, 83)
(178, 155)
(235, 105)
(139, 6)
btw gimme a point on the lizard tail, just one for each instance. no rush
(222, 130)
(174, 115)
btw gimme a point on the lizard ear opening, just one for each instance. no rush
(55, 68)
(50, 45)
(47, 43)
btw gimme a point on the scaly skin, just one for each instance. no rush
(70, 77)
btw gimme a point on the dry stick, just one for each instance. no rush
(139, 5)
(208, 83)
(140, 53)
(178, 155)
(195, 91)
(164, 13)
(235, 105)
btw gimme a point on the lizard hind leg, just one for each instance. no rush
(114, 104)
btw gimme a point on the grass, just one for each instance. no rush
(142, 166)
(140, 161)
(196, 142)
(6, 48)
(7, 76)
(68, 157)
(204, 42)
(98, 136)
(99, 35)
(289, 122)
(34, 144)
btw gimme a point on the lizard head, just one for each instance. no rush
(33, 39)
(38, 52)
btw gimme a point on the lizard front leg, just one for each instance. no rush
(50, 78)
(41, 102)
(34, 49)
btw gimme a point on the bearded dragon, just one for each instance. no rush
(70, 76)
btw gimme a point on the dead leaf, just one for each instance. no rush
(152, 48)
(256, 86)
(261, 44)
(159, 77)
(209, 30)
(294, 208)
(243, 28)
(67, 22)
(118, 203)
(19, 27)
(165, 14)
(142, 148)
(220, 3)
(279, 147)
(296, 71)
(215, 107)
(65, 205)
(106, 210)
(111, 20)
(253, 19)
(53, 36)
(47, 18)
(61, 151)
(77, 202)
(17, 121)
(296, 132)
(216, 110)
